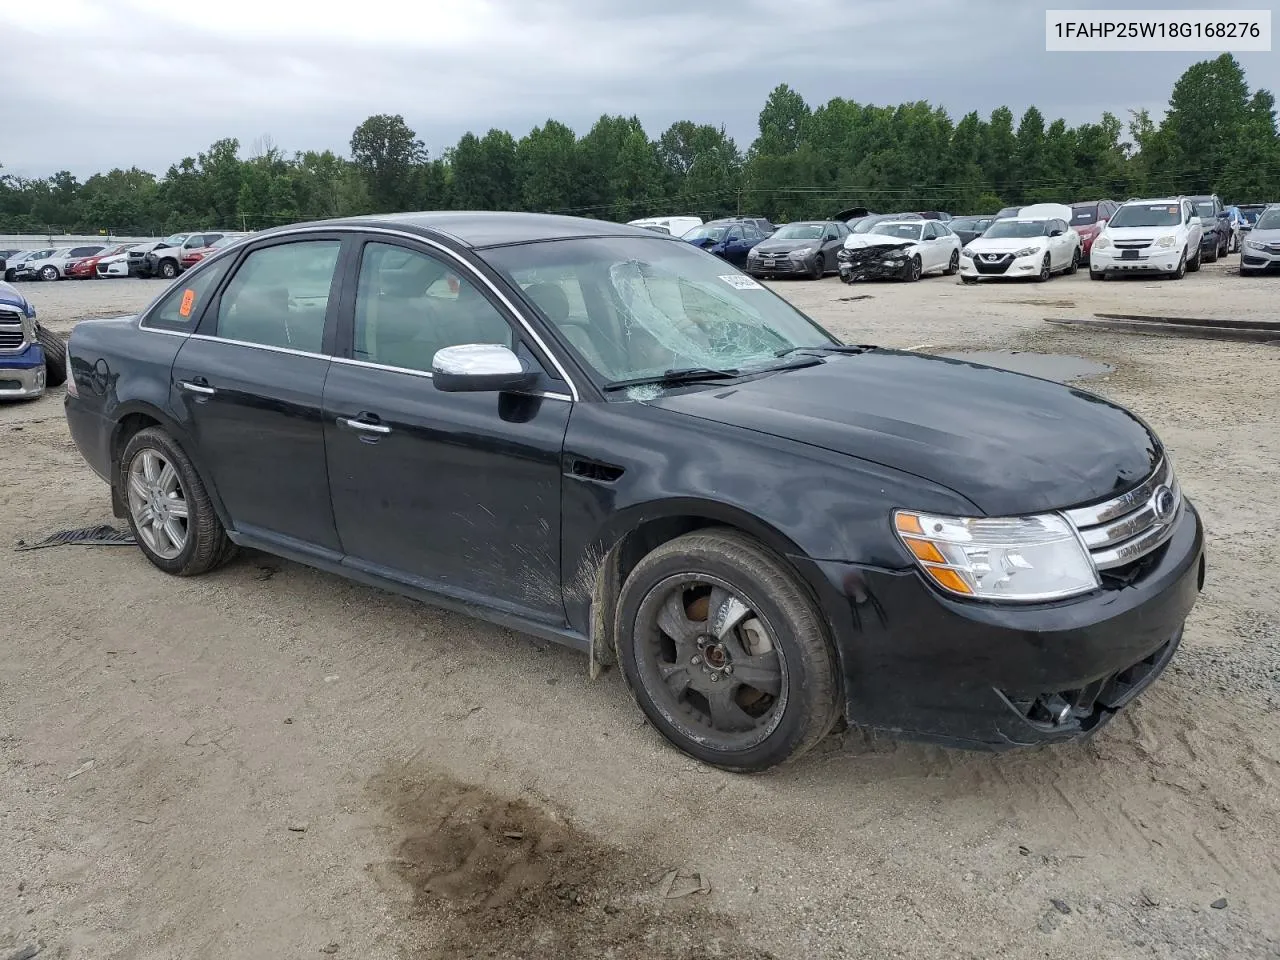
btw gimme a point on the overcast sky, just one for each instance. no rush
(90, 85)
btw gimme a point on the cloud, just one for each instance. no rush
(132, 82)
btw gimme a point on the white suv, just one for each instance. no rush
(1159, 236)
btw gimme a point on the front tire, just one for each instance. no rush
(49, 273)
(169, 510)
(1182, 268)
(168, 269)
(1194, 264)
(725, 652)
(1075, 262)
(1046, 269)
(914, 270)
(55, 357)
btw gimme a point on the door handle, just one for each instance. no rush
(364, 425)
(199, 388)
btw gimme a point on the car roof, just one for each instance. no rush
(483, 228)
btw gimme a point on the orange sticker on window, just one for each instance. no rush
(188, 301)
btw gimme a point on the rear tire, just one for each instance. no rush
(1075, 262)
(954, 266)
(668, 648)
(205, 545)
(55, 357)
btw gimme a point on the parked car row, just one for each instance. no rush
(153, 258)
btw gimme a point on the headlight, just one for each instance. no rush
(968, 252)
(1027, 252)
(1167, 241)
(999, 558)
(1254, 244)
(1101, 243)
(802, 252)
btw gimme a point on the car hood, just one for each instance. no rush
(863, 240)
(1264, 236)
(786, 245)
(10, 297)
(1006, 244)
(1010, 443)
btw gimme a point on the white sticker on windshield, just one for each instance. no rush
(741, 282)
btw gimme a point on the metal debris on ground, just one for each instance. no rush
(103, 535)
(676, 884)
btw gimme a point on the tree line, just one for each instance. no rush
(1216, 136)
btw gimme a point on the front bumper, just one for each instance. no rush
(871, 263)
(22, 375)
(1259, 261)
(779, 268)
(118, 268)
(1148, 260)
(923, 666)
(1005, 268)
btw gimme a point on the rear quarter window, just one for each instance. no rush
(180, 308)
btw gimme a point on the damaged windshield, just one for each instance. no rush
(635, 308)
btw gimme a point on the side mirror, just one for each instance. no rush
(479, 368)
(1056, 233)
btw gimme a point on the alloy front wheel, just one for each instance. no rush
(725, 652)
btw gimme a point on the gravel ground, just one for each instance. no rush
(272, 762)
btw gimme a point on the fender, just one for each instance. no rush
(147, 408)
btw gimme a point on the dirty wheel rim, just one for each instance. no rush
(916, 269)
(710, 662)
(158, 504)
(49, 273)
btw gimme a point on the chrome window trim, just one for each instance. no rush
(426, 374)
(528, 328)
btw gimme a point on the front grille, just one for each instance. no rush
(136, 256)
(984, 263)
(1132, 244)
(11, 335)
(1126, 528)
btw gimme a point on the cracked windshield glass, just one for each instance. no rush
(638, 308)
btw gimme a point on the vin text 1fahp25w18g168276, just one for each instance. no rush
(608, 437)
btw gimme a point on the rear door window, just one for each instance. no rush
(280, 296)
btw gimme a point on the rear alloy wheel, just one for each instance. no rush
(953, 267)
(1075, 262)
(913, 270)
(170, 513)
(725, 653)
(49, 273)
(1046, 269)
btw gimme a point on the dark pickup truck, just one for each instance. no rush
(596, 434)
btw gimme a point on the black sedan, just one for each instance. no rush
(607, 437)
(969, 229)
(804, 249)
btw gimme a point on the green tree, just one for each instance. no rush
(389, 156)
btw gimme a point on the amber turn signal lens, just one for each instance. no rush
(924, 550)
(948, 578)
(908, 523)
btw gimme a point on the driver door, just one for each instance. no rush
(455, 493)
(932, 247)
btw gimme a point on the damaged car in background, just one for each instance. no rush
(603, 436)
(899, 250)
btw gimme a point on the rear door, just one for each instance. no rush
(456, 493)
(249, 385)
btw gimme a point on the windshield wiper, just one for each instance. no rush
(826, 348)
(677, 376)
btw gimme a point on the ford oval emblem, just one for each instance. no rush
(1163, 502)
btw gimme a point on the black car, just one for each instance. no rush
(605, 437)
(969, 229)
(1215, 222)
(807, 248)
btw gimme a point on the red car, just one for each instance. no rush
(1088, 218)
(87, 268)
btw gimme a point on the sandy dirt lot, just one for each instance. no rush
(270, 762)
